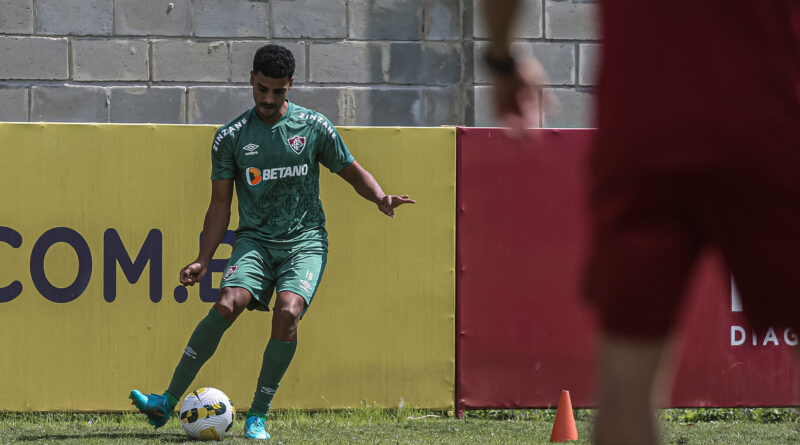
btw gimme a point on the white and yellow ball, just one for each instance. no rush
(207, 414)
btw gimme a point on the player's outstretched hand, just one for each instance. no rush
(192, 273)
(388, 203)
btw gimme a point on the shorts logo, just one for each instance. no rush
(229, 272)
(297, 143)
(250, 149)
(305, 285)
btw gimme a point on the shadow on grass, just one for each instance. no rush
(161, 437)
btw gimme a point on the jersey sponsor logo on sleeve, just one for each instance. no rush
(217, 141)
(255, 176)
(228, 130)
(320, 122)
(297, 143)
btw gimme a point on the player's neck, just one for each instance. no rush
(275, 117)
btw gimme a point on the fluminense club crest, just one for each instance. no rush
(298, 143)
(229, 272)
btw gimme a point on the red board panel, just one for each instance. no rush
(524, 330)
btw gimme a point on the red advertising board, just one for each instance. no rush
(524, 331)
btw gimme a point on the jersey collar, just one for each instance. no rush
(254, 116)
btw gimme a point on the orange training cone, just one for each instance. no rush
(564, 428)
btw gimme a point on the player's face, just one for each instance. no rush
(269, 95)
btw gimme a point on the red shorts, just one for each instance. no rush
(698, 145)
(653, 216)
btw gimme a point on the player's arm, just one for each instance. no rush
(366, 186)
(499, 15)
(518, 94)
(215, 225)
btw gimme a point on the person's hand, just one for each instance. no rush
(193, 273)
(388, 203)
(520, 96)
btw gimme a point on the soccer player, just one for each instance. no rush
(698, 145)
(271, 155)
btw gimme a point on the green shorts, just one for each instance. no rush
(261, 270)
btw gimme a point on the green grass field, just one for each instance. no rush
(374, 426)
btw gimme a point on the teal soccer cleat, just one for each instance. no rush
(255, 428)
(157, 408)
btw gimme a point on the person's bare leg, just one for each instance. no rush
(628, 377)
(286, 315)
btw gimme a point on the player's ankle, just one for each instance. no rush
(173, 401)
(257, 414)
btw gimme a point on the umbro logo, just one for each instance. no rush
(189, 352)
(297, 143)
(250, 149)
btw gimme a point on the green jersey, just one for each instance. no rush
(276, 172)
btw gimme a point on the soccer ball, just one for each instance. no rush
(207, 414)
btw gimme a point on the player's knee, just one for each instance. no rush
(231, 302)
(289, 314)
(226, 310)
(289, 306)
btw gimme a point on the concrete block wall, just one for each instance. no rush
(360, 62)
(563, 36)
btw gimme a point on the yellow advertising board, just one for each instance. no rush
(96, 221)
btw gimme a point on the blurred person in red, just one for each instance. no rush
(698, 146)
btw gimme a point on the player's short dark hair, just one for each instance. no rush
(274, 61)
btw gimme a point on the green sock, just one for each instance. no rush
(277, 357)
(201, 347)
(173, 401)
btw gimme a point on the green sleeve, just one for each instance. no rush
(334, 154)
(223, 165)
